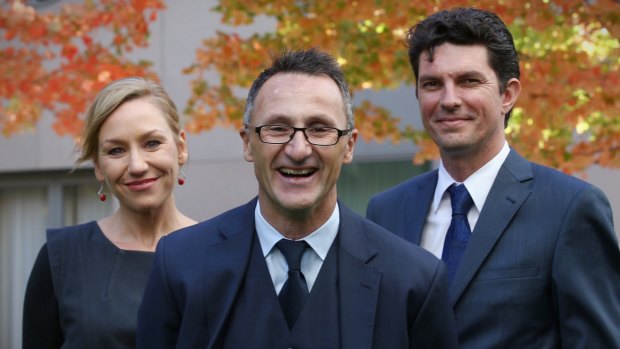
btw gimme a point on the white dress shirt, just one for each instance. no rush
(440, 214)
(320, 241)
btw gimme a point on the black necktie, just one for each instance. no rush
(459, 230)
(295, 290)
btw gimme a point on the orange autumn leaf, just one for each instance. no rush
(52, 61)
(69, 51)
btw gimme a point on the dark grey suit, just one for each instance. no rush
(392, 294)
(542, 268)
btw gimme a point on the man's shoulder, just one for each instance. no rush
(238, 219)
(402, 263)
(549, 184)
(523, 169)
(389, 245)
(407, 186)
(550, 180)
(556, 177)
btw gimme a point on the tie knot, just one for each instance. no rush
(460, 199)
(292, 251)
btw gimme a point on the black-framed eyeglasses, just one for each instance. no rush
(282, 134)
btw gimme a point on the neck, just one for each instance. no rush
(141, 230)
(461, 165)
(297, 224)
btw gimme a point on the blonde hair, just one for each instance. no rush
(113, 96)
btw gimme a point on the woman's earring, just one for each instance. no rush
(181, 178)
(101, 194)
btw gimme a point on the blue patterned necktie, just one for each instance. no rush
(459, 230)
(294, 293)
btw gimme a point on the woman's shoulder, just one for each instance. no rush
(72, 232)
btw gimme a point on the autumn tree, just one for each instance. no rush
(51, 61)
(568, 115)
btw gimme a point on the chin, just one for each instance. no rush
(454, 146)
(297, 205)
(147, 206)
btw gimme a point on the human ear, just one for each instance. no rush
(98, 173)
(182, 148)
(247, 147)
(510, 95)
(352, 138)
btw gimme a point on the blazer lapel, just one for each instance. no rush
(228, 258)
(359, 283)
(510, 189)
(416, 207)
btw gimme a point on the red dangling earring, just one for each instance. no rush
(181, 178)
(101, 194)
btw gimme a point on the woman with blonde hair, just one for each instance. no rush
(87, 282)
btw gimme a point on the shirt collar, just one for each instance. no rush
(320, 240)
(478, 184)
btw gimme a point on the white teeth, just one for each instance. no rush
(292, 172)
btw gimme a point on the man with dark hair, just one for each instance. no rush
(531, 253)
(294, 268)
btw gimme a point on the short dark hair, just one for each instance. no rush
(310, 62)
(467, 26)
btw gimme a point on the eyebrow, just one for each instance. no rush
(285, 119)
(456, 73)
(147, 134)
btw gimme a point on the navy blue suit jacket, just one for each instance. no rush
(542, 268)
(392, 294)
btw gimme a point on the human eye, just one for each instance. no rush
(276, 129)
(320, 131)
(114, 151)
(470, 81)
(152, 144)
(429, 85)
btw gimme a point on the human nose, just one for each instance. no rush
(137, 163)
(298, 147)
(450, 98)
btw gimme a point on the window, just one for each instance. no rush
(359, 181)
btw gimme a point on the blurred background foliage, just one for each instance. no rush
(568, 115)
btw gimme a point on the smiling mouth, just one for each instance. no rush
(452, 124)
(141, 182)
(452, 119)
(288, 172)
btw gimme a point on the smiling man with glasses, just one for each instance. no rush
(295, 268)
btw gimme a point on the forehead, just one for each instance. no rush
(299, 97)
(135, 116)
(455, 58)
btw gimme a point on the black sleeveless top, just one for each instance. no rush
(96, 286)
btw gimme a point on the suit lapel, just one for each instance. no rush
(228, 258)
(359, 283)
(416, 207)
(510, 189)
